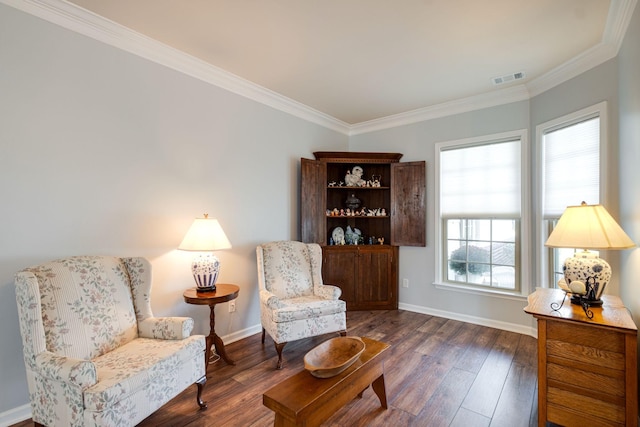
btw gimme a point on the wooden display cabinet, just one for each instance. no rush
(366, 273)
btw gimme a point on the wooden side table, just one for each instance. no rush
(223, 293)
(587, 372)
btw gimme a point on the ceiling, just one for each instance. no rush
(358, 61)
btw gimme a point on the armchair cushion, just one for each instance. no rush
(307, 307)
(141, 364)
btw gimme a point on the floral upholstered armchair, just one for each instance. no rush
(94, 353)
(294, 303)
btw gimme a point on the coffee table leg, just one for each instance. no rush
(379, 389)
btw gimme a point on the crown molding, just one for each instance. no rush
(82, 21)
(620, 12)
(464, 105)
(587, 60)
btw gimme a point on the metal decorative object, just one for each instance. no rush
(581, 300)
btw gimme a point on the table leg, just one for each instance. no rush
(381, 392)
(214, 339)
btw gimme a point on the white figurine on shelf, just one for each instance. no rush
(353, 178)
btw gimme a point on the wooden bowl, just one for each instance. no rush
(333, 356)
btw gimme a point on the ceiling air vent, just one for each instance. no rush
(508, 78)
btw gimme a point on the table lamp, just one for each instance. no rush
(205, 236)
(587, 227)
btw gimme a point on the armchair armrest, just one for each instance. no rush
(165, 328)
(63, 369)
(325, 291)
(270, 300)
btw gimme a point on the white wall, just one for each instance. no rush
(629, 64)
(102, 152)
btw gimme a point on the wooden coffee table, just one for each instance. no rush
(304, 400)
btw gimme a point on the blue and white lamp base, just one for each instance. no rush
(585, 276)
(205, 268)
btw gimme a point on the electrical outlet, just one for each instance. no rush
(232, 306)
(405, 283)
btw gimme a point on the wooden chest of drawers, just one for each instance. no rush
(587, 368)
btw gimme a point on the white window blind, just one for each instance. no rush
(481, 180)
(571, 166)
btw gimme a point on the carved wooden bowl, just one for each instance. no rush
(333, 356)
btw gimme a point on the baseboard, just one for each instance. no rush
(15, 415)
(244, 333)
(482, 321)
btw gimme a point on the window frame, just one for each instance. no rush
(522, 236)
(545, 276)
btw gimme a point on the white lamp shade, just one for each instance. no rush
(588, 227)
(205, 235)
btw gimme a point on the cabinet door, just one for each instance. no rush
(377, 286)
(313, 193)
(408, 204)
(340, 268)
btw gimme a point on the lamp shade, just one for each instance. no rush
(588, 227)
(205, 235)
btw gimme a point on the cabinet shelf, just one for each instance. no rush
(359, 217)
(357, 188)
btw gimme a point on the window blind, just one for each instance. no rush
(571, 166)
(481, 180)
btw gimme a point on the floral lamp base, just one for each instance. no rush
(205, 269)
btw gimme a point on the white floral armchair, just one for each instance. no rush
(294, 303)
(94, 353)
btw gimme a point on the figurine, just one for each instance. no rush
(353, 178)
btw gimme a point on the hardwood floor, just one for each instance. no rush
(438, 372)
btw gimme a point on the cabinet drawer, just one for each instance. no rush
(588, 407)
(586, 335)
(570, 417)
(585, 356)
(609, 382)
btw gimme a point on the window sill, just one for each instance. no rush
(506, 294)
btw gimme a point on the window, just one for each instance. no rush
(571, 172)
(480, 202)
(481, 251)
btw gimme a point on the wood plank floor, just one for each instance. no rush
(438, 372)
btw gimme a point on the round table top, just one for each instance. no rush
(224, 292)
